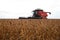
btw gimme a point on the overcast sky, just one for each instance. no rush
(24, 8)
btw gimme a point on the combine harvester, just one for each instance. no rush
(38, 14)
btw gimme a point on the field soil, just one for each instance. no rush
(29, 29)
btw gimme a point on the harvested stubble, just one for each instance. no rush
(29, 29)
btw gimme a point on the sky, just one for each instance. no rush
(23, 8)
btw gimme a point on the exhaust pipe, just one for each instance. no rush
(48, 12)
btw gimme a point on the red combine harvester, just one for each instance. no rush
(38, 14)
